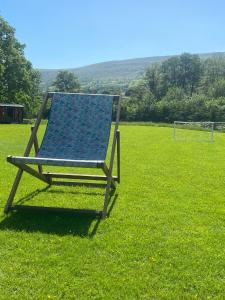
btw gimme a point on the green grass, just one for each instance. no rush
(165, 237)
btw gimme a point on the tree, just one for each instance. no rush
(213, 70)
(174, 93)
(18, 80)
(182, 71)
(217, 89)
(155, 80)
(66, 82)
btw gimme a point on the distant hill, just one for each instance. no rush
(117, 70)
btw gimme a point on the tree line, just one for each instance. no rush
(183, 87)
(180, 88)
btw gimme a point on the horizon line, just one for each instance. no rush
(127, 59)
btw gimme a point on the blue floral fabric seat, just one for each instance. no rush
(77, 133)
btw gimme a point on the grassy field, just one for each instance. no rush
(164, 239)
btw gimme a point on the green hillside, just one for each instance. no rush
(119, 70)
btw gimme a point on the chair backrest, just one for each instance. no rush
(78, 127)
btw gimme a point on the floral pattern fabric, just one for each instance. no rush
(78, 127)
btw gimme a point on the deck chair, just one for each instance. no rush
(77, 135)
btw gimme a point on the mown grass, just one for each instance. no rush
(165, 237)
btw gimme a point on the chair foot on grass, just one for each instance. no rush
(6, 210)
(104, 215)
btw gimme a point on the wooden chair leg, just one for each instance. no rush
(106, 199)
(36, 149)
(13, 191)
(26, 153)
(106, 171)
(118, 154)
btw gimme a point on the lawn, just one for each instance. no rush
(164, 239)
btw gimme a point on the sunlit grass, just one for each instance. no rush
(164, 239)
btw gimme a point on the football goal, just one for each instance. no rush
(195, 131)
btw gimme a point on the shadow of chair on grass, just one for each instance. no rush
(54, 222)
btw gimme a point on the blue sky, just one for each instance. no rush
(72, 33)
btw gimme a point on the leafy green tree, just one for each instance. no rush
(66, 82)
(18, 81)
(155, 80)
(213, 71)
(183, 71)
(217, 89)
(190, 66)
(174, 93)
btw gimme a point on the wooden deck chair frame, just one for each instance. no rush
(48, 177)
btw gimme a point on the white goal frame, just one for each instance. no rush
(209, 127)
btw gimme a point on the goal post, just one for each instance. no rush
(195, 131)
(219, 126)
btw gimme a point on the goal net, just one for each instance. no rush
(194, 131)
(219, 127)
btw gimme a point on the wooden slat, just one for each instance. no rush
(77, 176)
(29, 170)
